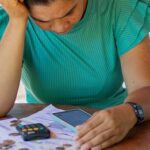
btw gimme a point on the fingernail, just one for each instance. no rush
(85, 147)
(77, 145)
(77, 127)
(75, 137)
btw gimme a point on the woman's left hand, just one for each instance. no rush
(105, 128)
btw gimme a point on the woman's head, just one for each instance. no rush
(56, 15)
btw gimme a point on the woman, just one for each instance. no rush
(78, 52)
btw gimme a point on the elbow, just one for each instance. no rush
(4, 112)
(3, 115)
(4, 109)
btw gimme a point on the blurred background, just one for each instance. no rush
(21, 94)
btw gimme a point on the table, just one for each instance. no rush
(138, 138)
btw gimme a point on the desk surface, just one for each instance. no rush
(138, 139)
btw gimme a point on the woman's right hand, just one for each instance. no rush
(15, 9)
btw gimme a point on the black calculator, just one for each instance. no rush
(33, 131)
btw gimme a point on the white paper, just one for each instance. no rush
(45, 117)
(63, 135)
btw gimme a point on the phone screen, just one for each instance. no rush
(73, 117)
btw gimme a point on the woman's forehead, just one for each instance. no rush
(54, 5)
(55, 9)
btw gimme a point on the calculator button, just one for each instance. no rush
(41, 128)
(35, 129)
(24, 130)
(31, 132)
(29, 129)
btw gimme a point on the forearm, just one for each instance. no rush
(141, 97)
(11, 53)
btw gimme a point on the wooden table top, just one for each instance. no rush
(138, 138)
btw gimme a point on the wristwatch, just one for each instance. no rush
(138, 111)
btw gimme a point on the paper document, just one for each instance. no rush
(62, 137)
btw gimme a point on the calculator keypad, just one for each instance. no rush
(33, 131)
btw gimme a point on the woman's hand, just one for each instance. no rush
(15, 9)
(105, 128)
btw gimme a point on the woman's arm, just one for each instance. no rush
(111, 125)
(136, 72)
(11, 53)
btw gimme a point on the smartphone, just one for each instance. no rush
(72, 118)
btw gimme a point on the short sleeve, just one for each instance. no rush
(132, 23)
(3, 21)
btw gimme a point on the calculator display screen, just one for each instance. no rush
(73, 117)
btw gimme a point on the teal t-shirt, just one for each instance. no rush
(83, 67)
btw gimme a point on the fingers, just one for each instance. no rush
(1, 2)
(110, 142)
(97, 148)
(106, 144)
(98, 139)
(6, 2)
(88, 126)
(99, 132)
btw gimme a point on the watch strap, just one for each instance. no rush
(138, 111)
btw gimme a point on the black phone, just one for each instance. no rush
(72, 118)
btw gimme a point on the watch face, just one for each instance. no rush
(141, 113)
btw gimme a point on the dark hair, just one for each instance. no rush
(28, 3)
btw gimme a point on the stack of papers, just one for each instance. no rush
(61, 135)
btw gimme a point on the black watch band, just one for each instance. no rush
(138, 111)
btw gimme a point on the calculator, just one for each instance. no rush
(33, 131)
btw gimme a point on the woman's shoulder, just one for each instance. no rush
(130, 20)
(128, 6)
(132, 23)
(115, 7)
